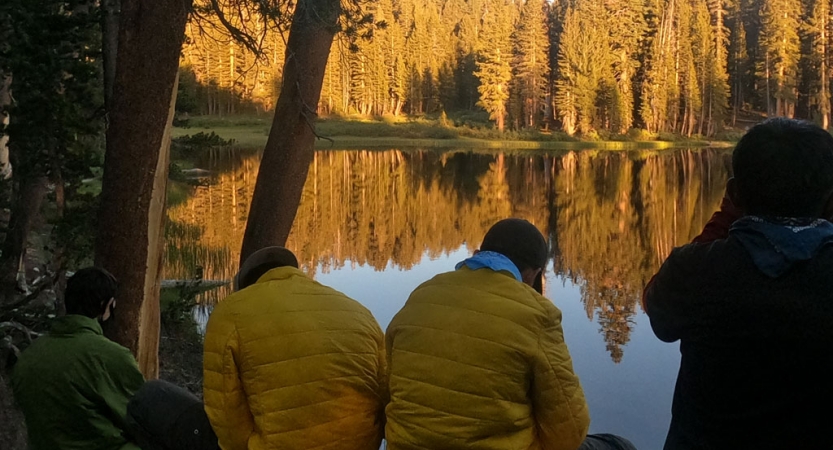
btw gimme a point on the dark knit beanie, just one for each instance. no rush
(518, 240)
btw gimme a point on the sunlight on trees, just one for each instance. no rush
(689, 67)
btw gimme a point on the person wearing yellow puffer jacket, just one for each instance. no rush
(292, 364)
(477, 358)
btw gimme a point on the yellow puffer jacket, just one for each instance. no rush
(477, 360)
(292, 364)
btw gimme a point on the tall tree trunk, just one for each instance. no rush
(7, 285)
(5, 102)
(58, 258)
(289, 149)
(737, 95)
(768, 93)
(824, 106)
(28, 200)
(109, 46)
(702, 103)
(129, 238)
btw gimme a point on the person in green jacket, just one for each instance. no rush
(73, 385)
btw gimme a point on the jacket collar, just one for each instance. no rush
(75, 324)
(280, 273)
(491, 260)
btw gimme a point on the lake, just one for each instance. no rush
(375, 224)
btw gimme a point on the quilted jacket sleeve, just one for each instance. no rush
(225, 399)
(557, 398)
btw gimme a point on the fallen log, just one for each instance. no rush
(206, 284)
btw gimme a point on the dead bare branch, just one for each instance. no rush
(29, 334)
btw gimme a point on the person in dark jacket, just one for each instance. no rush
(73, 385)
(751, 301)
(163, 416)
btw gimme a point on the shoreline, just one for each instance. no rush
(349, 142)
(250, 133)
(253, 138)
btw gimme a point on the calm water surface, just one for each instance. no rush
(376, 224)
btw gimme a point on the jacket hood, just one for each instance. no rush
(777, 244)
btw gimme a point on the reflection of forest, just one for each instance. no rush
(610, 217)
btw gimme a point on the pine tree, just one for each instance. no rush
(531, 64)
(465, 81)
(780, 50)
(399, 81)
(702, 49)
(582, 63)
(556, 12)
(415, 27)
(565, 100)
(659, 84)
(358, 79)
(818, 28)
(447, 87)
(493, 65)
(331, 91)
(718, 78)
(430, 90)
(627, 29)
(693, 57)
(738, 60)
(393, 47)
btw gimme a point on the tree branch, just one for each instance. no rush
(306, 111)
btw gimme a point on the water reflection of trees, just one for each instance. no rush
(617, 217)
(610, 217)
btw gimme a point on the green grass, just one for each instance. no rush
(463, 131)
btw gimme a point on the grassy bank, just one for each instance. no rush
(252, 132)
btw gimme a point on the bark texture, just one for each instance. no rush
(131, 215)
(5, 101)
(28, 200)
(109, 45)
(289, 149)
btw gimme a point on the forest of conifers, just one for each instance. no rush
(584, 66)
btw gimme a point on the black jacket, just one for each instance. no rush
(757, 352)
(163, 416)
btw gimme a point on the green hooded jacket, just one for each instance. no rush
(73, 386)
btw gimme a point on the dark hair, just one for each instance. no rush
(518, 240)
(784, 168)
(88, 291)
(262, 261)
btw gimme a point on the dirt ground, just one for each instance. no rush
(180, 358)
